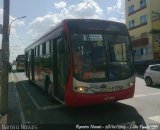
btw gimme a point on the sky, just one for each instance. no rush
(41, 15)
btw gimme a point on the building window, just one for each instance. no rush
(137, 52)
(132, 38)
(145, 51)
(134, 52)
(143, 34)
(143, 19)
(140, 51)
(142, 3)
(131, 24)
(130, 9)
(157, 38)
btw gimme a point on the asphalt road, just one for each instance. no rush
(143, 109)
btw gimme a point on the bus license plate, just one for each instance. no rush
(115, 88)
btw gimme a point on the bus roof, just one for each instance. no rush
(20, 56)
(71, 21)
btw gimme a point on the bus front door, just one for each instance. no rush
(58, 69)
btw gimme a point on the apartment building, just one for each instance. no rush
(143, 22)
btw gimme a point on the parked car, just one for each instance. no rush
(152, 74)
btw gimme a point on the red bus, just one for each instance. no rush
(83, 62)
(20, 63)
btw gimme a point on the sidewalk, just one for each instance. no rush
(13, 116)
(13, 105)
(140, 76)
(3, 119)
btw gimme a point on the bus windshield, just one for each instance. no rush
(20, 59)
(101, 57)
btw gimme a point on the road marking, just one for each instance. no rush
(52, 107)
(155, 118)
(144, 95)
(18, 100)
(140, 95)
(36, 104)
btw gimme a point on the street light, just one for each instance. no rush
(13, 21)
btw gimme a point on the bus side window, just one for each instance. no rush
(48, 47)
(35, 51)
(40, 50)
(46, 55)
(44, 48)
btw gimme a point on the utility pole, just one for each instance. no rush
(5, 59)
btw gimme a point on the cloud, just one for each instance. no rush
(11, 18)
(18, 22)
(85, 9)
(116, 12)
(16, 46)
(60, 5)
(116, 19)
(41, 24)
(13, 25)
(118, 8)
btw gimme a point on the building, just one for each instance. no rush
(143, 22)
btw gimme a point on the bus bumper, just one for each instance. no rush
(77, 99)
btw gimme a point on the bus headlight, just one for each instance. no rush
(81, 89)
(131, 84)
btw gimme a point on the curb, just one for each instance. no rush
(3, 119)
